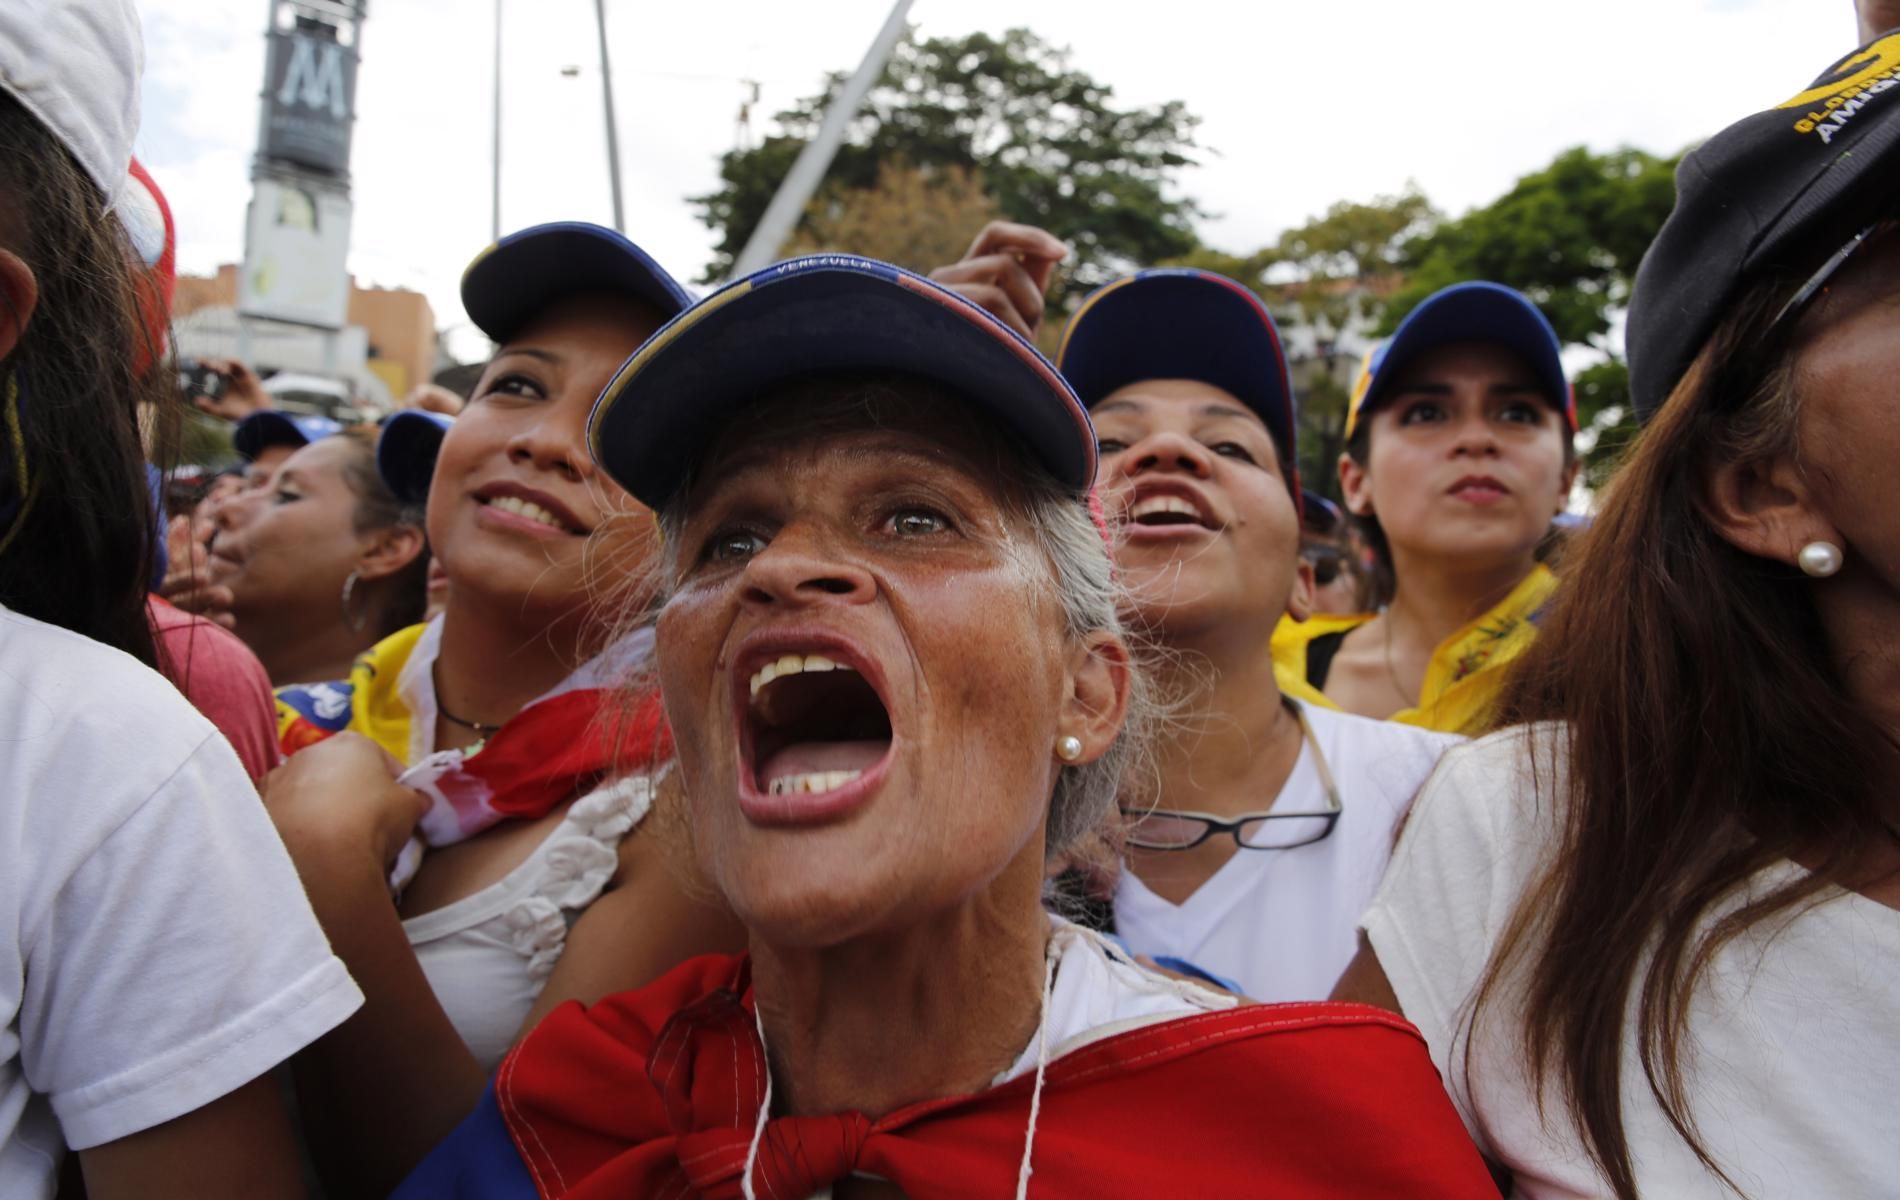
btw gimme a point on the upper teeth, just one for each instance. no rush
(528, 509)
(792, 664)
(1163, 504)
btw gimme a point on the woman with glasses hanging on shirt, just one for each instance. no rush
(1275, 815)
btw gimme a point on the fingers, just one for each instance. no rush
(991, 298)
(1007, 237)
(1007, 270)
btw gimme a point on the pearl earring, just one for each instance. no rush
(1069, 748)
(1819, 559)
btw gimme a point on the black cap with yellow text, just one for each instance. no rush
(1771, 194)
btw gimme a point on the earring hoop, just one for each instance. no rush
(355, 621)
(1818, 560)
(1069, 748)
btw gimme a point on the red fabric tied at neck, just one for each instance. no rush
(656, 1093)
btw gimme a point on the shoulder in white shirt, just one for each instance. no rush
(156, 948)
(1284, 923)
(1792, 1079)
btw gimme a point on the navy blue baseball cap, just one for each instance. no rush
(829, 312)
(1182, 323)
(1468, 312)
(268, 427)
(406, 450)
(517, 278)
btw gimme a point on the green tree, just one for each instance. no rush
(916, 217)
(1054, 149)
(1569, 236)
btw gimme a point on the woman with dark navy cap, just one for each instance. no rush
(1652, 928)
(479, 765)
(1459, 453)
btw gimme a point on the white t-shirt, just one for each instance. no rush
(1284, 923)
(1794, 1072)
(156, 949)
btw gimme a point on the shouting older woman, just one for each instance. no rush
(889, 649)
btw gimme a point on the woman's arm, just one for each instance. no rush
(655, 915)
(378, 1092)
(1365, 983)
(237, 1145)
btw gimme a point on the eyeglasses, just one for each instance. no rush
(1172, 829)
(1818, 282)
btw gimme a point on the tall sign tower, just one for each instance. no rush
(297, 234)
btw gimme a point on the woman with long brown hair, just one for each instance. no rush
(1649, 930)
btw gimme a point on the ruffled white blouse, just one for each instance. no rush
(488, 955)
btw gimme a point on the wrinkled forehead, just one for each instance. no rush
(851, 418)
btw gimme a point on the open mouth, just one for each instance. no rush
(528, 510)
(1166, 511)
(813, 727)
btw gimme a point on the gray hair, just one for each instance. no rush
(1081, 573)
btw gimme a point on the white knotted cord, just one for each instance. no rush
(765, 1110)
(1042, 1065)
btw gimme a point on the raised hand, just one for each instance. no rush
(1007, 270)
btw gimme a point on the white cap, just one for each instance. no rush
(75, 65)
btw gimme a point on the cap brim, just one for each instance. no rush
(1181, 324)
(406, 451)
(1480, 312)
(269, 427)
(519, 277)
(830, 313)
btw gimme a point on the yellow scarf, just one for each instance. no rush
(1465, 673)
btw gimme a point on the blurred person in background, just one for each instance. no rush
(157, 953)
(264, 438)
(1274, 815)
(1651, 929)
(1327, 545)
(1458, 455)
(321, 564)
(523, 825)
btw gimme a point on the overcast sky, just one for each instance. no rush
(1302, 104)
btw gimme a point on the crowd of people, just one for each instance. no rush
(803, 742)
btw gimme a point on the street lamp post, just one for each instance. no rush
(607, 98)
(494, 201)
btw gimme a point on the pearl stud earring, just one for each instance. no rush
(1069, 748)
(1819, 559)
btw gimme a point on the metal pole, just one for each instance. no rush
(494, 201)
(607, 97)
(815, 159)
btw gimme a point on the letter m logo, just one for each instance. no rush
(314, 77)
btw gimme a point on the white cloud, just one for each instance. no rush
(1303, 104)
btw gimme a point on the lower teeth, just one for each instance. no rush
(816, 781)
